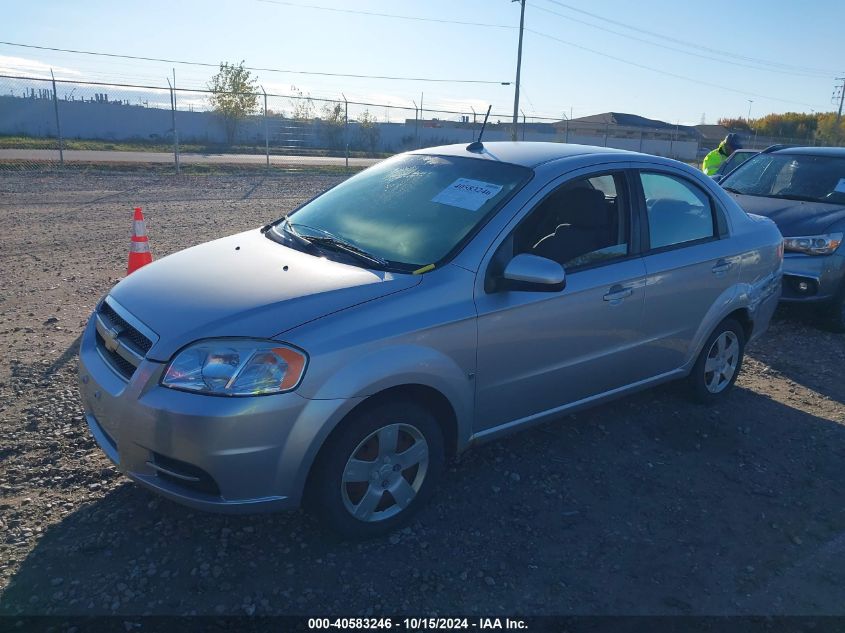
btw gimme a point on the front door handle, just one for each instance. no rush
(722, 266)
(617, 293)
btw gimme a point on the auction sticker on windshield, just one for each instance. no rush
(840, 186)
(466, 193)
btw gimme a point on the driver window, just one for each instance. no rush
(582, 223)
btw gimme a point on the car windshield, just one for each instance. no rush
(791, 176)
(410, 210)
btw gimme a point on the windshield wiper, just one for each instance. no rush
(732, 190)
(332, 240)
(285, 224)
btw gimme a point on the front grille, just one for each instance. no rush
(123, 366)
(120, 343)
(127, 331)
(204, 482)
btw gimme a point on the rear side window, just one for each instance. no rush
(678, 211)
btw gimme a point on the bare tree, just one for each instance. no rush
(368, 131)
(334, 121)
(302, 105)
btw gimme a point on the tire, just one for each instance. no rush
(383, 489)
(719, 363)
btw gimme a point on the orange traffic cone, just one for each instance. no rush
(139, 247)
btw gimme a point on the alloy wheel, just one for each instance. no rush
(722, 361)
(385, 472)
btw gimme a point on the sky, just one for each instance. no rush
(680, 62)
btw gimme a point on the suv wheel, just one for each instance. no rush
(377, 470)
(719, 363)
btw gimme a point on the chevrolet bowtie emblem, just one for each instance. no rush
(110, 339)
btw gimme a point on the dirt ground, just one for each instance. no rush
(649, 505)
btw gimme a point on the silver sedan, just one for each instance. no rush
(338, 356)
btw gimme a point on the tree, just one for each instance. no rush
(334, 123)
(798, 125)
(302, 105)
(828, 132)
(368, 132)
(234, 96)
(738, 125)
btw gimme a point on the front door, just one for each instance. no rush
(538, 350)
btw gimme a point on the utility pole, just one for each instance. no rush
(518, 68)
(841, 99)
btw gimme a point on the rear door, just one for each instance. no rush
(690, 264)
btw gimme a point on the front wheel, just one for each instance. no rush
(719, 363)
(377, 469)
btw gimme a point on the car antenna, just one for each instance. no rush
(477, 145)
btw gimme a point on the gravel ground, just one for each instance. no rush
(649, 505)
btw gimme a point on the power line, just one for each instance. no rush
(732, 62)
(665, 72)
(303, 97)
(395, 16)
(257, 69)
(708, 49)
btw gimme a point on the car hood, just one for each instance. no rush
(793, 217)
(244, 285)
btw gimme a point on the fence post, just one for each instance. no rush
(641, 140)
(58, 125)
(606, 132)
(173, 117)
(422, 94)
(566, 132)
(416, 123)
(523, 124)
(266, 131)
(346, 128)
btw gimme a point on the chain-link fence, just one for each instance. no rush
(47, 124)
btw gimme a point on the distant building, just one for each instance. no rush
(711, 135)
(623, 125)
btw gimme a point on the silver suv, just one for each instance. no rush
(338, 356)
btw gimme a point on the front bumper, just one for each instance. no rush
(211, 453)
(812, 278)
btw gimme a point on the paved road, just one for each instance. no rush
(87, 156)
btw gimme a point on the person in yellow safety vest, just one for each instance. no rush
(714, 159)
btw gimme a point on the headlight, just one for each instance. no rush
(813, 244)
(236, 367)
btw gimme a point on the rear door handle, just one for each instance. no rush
(722, 266)
(617, 293)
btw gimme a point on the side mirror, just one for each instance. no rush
(530, 272)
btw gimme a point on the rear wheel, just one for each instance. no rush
(719, 363)
(377, 470)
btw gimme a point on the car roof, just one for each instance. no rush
(526, 154)
(813, 151)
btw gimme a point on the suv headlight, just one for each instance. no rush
(813, 244)
(236, 367)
